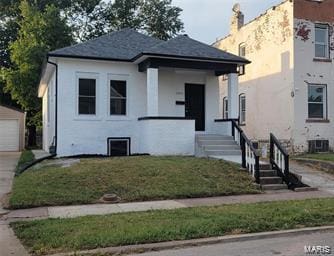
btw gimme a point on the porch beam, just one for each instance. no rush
(218, 67)
(152, 92)
(233, 99)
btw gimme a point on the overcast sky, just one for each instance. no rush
(206, 20)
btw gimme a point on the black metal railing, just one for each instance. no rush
(279, 159)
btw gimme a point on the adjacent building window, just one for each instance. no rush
(242, 109)
(87, 96)
(242, 53)
(317, 101)
(117, 97)
(321, 41)
(225, 108)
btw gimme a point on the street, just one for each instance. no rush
(283, 246)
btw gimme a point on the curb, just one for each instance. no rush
(141, 248)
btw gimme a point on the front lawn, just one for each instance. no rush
(61, 235)
(26, 158)
(320, 156)
(133, 179)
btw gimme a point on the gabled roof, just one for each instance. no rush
(183, 46)
(129, 45)
(122, 45)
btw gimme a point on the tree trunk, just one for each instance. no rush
(32, 136)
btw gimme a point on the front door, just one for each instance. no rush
(195, 104)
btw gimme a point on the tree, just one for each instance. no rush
(39, 33)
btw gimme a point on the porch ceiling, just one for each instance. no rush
(220, 68)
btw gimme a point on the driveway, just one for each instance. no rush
(9, 244)
(8, 161)
(314, 178)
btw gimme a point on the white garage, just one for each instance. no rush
(11, 129)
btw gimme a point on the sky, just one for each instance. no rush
(207, 20)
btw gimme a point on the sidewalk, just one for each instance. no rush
(102, 209)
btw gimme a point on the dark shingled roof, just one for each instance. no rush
(128, 45)
(182, 46)
(124, 45)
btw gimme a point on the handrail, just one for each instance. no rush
(279, 159)
(250, 156)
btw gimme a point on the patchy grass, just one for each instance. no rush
(26, 157)
(61, 235)
(320, 156)
(133, 179)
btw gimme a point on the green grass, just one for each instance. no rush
(26, 157)
(133, 179)
(320, 156)
(61, 235)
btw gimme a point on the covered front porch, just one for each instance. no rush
(182, 101)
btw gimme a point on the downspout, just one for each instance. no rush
(56, 106)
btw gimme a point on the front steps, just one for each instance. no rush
(218, 146)
(224, 147)
(269, 180)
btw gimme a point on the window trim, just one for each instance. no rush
(322, 26)
(87, 75)
(242, 95)
(324, 103)
(119, 77)
(128, 139)
(225, 107)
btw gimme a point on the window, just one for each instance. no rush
(225, 108)
(117, 97)
(87, 96)
(321, 41)
(242, 53)
(242, 108)
(317, 101)
(119, 146)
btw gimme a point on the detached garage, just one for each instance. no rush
(12, 129)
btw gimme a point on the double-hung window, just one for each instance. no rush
(87, 96)
(317, 101)
(321, 41)
(242, 53)
(118, 92)
(242, 108)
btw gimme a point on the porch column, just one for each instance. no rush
(233, 101)
(152, 92)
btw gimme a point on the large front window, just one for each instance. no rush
(87, 96)
(321, 41)
(317, 101)
(117, 97)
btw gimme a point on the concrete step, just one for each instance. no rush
(221, 147)
(208, 142)
(214, 137)
(268, 173)
(223, 152)
(270, 180)
(265, 166)
(274, 187)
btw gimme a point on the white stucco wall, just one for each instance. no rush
(88, 134)
(307, 71)
(167, 137)
(268, 81)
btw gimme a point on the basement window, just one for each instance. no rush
(119, 146)
(318, 146)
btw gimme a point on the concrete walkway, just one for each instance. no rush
(313, 178)
(102, 209)
(9, 244)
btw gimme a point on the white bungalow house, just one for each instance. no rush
(127, 93)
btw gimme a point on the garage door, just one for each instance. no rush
(9, 135)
